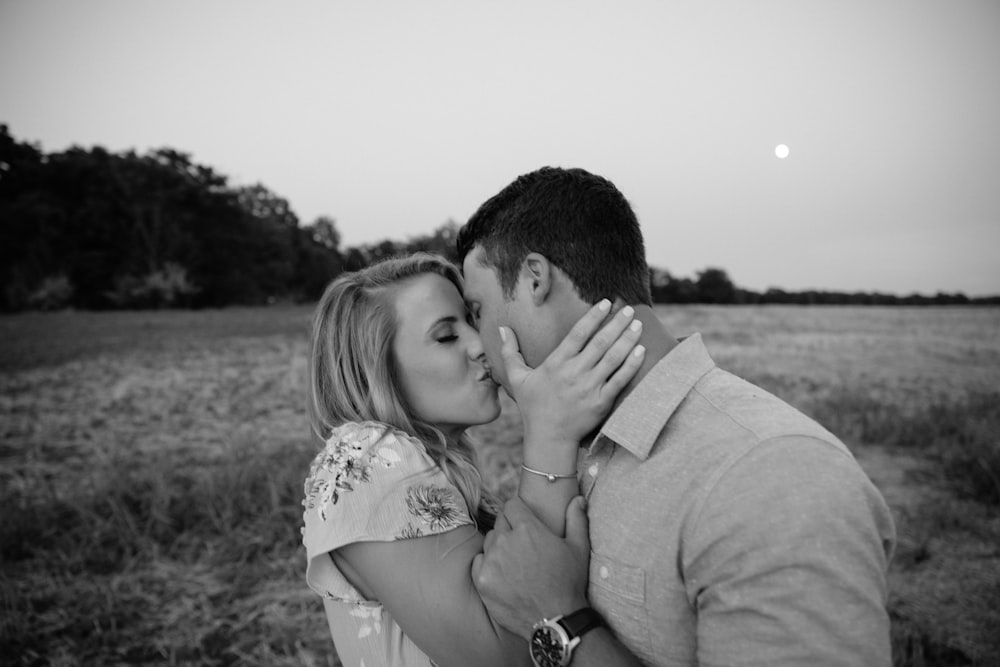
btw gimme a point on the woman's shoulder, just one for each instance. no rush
(353, 440)
(370, 433)
(373, 482)
(365, 455)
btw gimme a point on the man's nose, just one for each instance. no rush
(475, 349)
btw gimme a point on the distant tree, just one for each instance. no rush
(99, 229)
(364, 255)
(324, 232)
(714, 286)
(27, 220)
(355, 259)
(318, 258)
(441, 241)
(746, 297)
(659, 283)
(269, 246)
(263, 204)
(666, 288)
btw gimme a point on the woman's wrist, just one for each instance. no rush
(549, 440)
(555, 456)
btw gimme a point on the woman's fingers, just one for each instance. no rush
(619, 350)
(582, 331)
(609, 346)
(626, 371)
(510, 353)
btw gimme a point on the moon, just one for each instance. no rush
(781, 150)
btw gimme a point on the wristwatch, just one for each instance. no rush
(553, 639)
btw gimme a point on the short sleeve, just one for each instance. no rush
(371, 483)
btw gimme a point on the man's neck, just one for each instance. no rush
(657, 340)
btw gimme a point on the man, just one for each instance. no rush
(725, 527)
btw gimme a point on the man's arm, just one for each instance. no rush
(526, 574)
(786, 560)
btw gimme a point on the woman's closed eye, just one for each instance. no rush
(446, 331)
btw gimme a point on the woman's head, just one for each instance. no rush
(392, 343)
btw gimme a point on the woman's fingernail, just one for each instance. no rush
(628, 311)
(503, 334)
(639, 350)
(636, 326)
(604, 305)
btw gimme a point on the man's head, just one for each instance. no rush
(545, 248)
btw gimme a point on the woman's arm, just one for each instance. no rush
(565, 398)
(426, 585)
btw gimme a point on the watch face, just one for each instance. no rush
(547, 647)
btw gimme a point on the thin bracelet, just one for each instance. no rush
(547, 475)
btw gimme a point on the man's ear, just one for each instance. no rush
(537, 274)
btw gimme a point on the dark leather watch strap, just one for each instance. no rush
(580, 621)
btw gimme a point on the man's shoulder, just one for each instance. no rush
(725, 401)
(727, 427)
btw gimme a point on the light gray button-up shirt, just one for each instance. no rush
(727, 528)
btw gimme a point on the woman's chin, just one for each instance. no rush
(486, 417)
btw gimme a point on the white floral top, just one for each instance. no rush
(371, 483)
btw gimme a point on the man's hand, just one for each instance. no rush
(526, 573)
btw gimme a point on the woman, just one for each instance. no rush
(395, 510)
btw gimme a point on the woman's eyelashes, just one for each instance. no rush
(447, 336)
(450, 333)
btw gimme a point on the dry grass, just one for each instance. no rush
(152, 469)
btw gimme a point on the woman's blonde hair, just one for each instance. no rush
(353, 373)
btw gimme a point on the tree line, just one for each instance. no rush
(713, 285)
(93, 229)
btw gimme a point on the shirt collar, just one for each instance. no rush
(637, 422)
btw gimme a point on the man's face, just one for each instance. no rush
(537, 325)
(484, 298)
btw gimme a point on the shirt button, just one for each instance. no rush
(604, 572)
(593, 470)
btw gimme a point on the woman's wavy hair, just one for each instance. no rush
(354, 377)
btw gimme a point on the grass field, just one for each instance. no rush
(152, 468)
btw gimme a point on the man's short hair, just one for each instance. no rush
(579, 221)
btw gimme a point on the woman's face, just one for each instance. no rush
(440, 357)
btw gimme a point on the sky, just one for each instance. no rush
(396, 117)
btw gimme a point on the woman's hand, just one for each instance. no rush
(572, 391)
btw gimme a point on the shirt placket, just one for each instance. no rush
(593, 463)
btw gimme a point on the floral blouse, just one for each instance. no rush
(371, 483)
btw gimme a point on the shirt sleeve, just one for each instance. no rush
(787, 560)
(371, 483)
